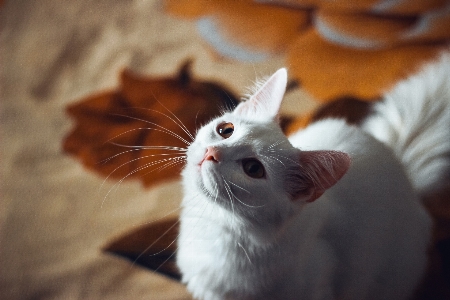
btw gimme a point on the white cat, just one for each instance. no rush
(329, 213)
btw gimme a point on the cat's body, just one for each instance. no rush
(262, 219)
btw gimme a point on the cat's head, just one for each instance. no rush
(243, 162)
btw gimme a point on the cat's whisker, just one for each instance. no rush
(276, 144)
(156, 241)
(228, 187)
(170, 148)
(168, 131)
(166, 260)
(245, 251)
(239, 187)
(176, 121)
(229, 106)
(290, 159)
(169, 164)
(117, 184)
(162, 235)
(145, 128)
(104, 161)
(273, 157)
(180, 123)
(228, 191)
(139, 158)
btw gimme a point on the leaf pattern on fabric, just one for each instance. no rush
(333, 48)
(114, 129)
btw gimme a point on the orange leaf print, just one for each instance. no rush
(330, 71)
(230, 26)
(140, 130)
(335, 48)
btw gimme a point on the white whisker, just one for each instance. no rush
(152, 147)
(168, 131)
(290, 159)
(139, 158)
(169, 164)
(245, 251)
(273, 157)
(177, 122)
(157, 240)
(180, 124)
(232, 195)
(239, 187)
(117, 184)
(147, 128)
(228, 190)
(276, 144)
(166, 260)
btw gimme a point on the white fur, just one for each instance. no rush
(414, 120)
(247, 238)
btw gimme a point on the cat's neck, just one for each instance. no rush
(211, 221)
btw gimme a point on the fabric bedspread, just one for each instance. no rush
(56, 215)
(85, 64)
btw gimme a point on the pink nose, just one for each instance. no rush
(212, 154)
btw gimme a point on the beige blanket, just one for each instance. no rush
(55, 215)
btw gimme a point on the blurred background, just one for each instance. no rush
(68, 67)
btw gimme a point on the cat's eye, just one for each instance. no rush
(225, 130)
(253, 168)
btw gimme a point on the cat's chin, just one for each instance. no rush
(202, 178)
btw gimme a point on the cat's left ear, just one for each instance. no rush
(265, 103)
(318, 171)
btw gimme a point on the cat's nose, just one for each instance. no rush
(212, 154)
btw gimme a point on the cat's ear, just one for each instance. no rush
(319, 170)
(265, 103)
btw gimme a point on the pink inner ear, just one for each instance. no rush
(266, 102)
(324, 169)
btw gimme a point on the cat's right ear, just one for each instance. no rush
(265, 103)
(318, 171)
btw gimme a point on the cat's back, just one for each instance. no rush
(370, 158)
(371, 219)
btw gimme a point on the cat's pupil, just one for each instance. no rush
(253, 168)
(225, 129)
